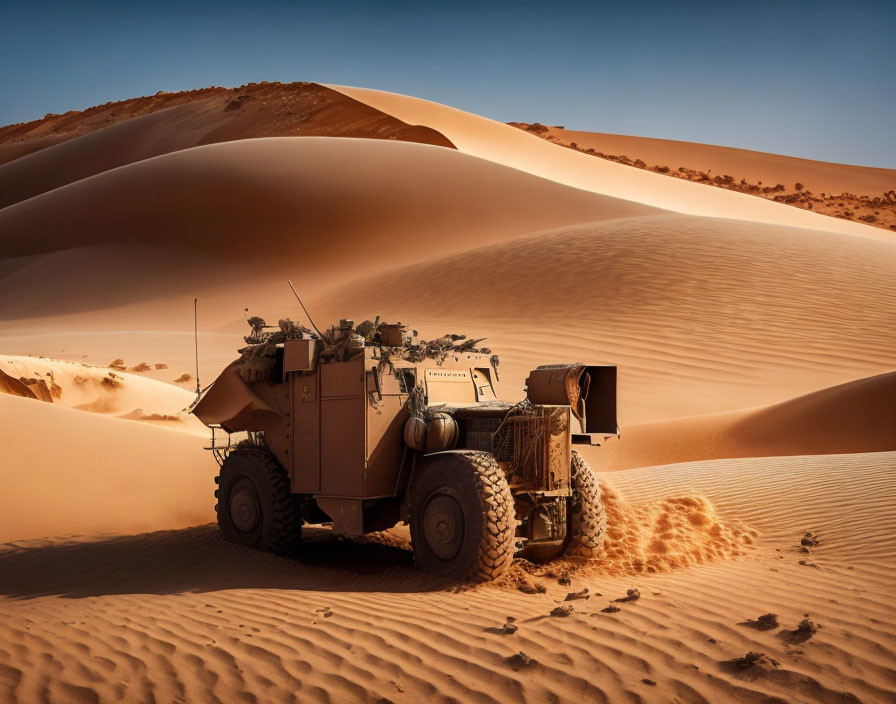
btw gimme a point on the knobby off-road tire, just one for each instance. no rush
(255, 506)
(462, 517)
(587, 519)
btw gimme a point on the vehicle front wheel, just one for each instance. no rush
(462, 517)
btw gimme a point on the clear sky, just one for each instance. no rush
(811, 79)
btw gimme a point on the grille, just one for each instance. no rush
(521, 443)
(533, 447)
(479, 433)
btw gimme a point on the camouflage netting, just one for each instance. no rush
(264, 354)
(261, 359)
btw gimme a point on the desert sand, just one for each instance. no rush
(755, 472)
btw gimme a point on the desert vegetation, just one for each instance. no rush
(877, 210)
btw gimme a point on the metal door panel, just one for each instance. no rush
(305, 431)
(342, 446)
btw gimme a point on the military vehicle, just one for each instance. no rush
(365, 427)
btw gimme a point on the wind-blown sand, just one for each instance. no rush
(755, 345)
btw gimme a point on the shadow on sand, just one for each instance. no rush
(199, 560)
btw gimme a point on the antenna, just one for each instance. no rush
(304, 308)
(196, 341)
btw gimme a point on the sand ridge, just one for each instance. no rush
(507, 145)
(58, 150)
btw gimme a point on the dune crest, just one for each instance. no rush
(58, 150)
(512, 147)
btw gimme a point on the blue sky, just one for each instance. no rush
(807, 79)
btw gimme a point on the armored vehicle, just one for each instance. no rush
(367, 426)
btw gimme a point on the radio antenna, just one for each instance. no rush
(196, 342)
(294, 293)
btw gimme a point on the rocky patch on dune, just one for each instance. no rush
(139, 414)
(748, 662)
(30, 387)
(766, 622)
(803, 632)
(520, 661)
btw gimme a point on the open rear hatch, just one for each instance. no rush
(590, 390)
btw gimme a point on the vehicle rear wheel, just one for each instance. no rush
(255, 506)
(586, 522)
(462, 518)
(587, 519)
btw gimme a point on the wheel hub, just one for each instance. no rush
(244, 506)
(443, 526)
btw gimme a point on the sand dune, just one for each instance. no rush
(266, 109)
(700, 315)
(507, 145)
(99, 390)
(67, 471)
(246, 210)
(770, 169)
(854, 417)
(126, 132)
(856, 193)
